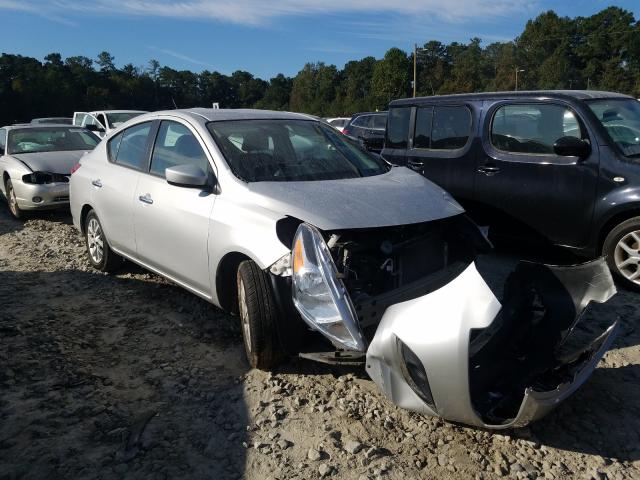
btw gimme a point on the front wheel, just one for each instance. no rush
(100, 254)
(622, 249)
(12, 200)
(258, 316)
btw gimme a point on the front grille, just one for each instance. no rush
(61, 199)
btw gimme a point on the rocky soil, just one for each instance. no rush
(128, 376)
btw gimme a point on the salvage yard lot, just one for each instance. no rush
(127, 375)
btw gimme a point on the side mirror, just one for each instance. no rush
(94, 128)
(186, 176)
(572, 147)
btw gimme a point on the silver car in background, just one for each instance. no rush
(330, 253)
(36, 162)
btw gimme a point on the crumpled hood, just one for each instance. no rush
(398, 197)
(52, 162)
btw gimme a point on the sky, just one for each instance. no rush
(264, 37)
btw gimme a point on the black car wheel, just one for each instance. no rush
(622, 249)
(14, 208)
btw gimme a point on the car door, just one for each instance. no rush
(520, 176)
(397, 135)
(441, 147)
(172, 222)
(115, 184)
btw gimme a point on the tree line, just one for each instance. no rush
(597, 52)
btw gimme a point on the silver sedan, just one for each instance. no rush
(331, 253)
(36, 162)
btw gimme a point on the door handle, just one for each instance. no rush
(415, 165)
(146, 198)
(97, 183)
(488, 170)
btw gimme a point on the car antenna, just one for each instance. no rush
(174, 103)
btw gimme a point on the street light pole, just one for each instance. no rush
(415, 68)
(517, 70)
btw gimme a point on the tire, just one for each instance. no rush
(12, 201)
(622, 250)
(100, 254)
(258, 316)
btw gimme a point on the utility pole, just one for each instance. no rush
(415, 68)
(517, 70)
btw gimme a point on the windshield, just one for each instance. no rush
(116, 119)
(291, 150)
(50, 139)
(621, 119)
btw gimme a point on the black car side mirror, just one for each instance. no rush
(572, 147)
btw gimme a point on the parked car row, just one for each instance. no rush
(329, 251)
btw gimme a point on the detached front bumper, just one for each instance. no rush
(460, 354)
(42, 196)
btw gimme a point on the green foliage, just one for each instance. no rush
(597, 52)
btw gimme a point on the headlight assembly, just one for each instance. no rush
(319, 295)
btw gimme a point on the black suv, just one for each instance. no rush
(367, 128)
(561, 164)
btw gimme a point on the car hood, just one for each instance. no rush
(52, 162)
(398, 197)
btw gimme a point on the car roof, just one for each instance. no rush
(218, 114)
(115, 111)
(508, 95)
(39, 126)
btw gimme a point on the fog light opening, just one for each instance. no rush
(414, 374)
(37, 199)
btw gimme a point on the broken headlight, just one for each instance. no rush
(319, 295)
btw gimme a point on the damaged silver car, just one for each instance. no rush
(330, 253)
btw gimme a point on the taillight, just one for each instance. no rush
(75, 168)
(344, 131)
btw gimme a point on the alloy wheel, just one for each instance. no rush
(627, 256)
(95, 240)
(13, 201)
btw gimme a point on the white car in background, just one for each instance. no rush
(338, 122)
(103, 122)
(36, 162)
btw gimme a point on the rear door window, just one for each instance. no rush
(451, 127)
(361, 121)
(398, 127)
(378, 122)
(129, 147)
(532, 128)
(176, 145)
(422, 133)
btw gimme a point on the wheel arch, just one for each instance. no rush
(225, 280)
(86, 208)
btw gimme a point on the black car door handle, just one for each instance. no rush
(488, 170)
(415, 165)
(146, 199)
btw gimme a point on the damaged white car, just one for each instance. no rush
(330, 253)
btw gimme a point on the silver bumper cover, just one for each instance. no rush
(489, 364)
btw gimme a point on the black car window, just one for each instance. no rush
(133, 146)
(398, 127)
(451, 127)
(112, 146)
(3, 142)
(532, 128)
(176, 145)
(361, 121)
(378, 122)
(422, 133)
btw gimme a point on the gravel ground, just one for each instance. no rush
(129, 376)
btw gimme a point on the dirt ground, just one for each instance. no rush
(128, 376)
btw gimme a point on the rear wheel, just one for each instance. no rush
(100, 254)
(622, 249)
(12, 200)
(257, 311)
